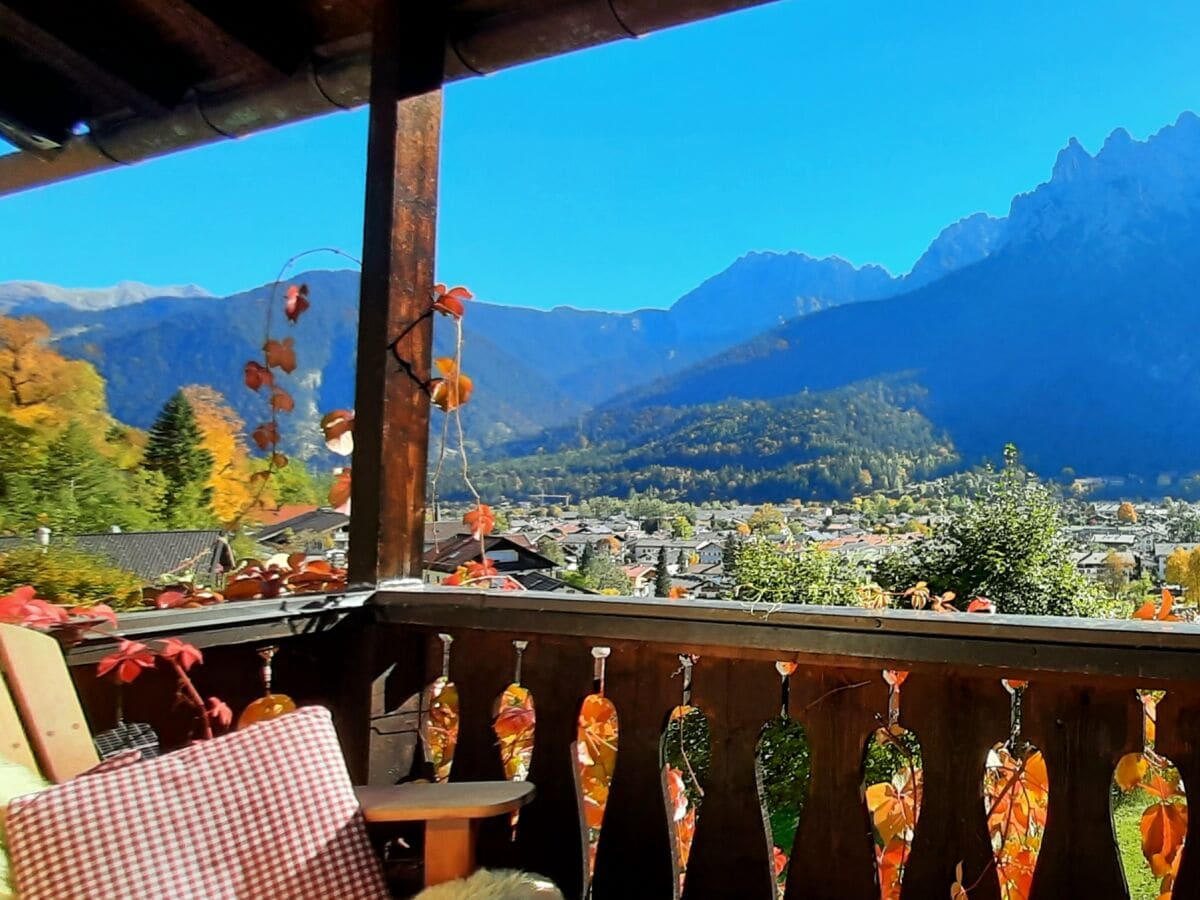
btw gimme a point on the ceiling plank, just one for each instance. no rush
(80, 69)
(201, 37)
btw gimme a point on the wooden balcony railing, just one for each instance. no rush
(369, 661)
(1080, 708)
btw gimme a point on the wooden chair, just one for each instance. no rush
(42, 726)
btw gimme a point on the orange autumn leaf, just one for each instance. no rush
(257, 375)
(677, 593)
(481, 520)
(296, 302)
(281, 400)
(439, 726)
(893, 806)
(281, 354)
(339, 494)
(595, 761)
(1162, 613)
(279, 461)
(453, 389)
(1163, 828)
(1130, 771)
(266, 435)
(337, 427)
(514, 728)
(450, 302)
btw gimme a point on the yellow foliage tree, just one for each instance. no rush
(1126, 513)
(221, 432)
(42, 389)
(1183, 568)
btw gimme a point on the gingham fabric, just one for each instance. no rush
(114, 763)
(262, 814)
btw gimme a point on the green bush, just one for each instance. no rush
(70, 577)
(769, 573)
(1008, 545)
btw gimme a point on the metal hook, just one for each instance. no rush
(686, 662)
(1016, 694)
(786, 670)
(446, 640)
(520, 647)
(894, 679)
(266, 654)
(599, 655)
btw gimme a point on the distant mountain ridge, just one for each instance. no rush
(1062, 326)
(1068, 336)
(31, 293)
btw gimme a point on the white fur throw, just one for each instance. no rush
(494, 885)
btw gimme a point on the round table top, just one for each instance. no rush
(421, 801)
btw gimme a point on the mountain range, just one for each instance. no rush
(1063, 326)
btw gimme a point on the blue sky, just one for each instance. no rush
(622, 176)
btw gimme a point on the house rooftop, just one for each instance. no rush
(147, 554)
(316, 520)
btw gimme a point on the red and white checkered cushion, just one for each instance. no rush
(268, 812)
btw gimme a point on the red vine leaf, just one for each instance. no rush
(281, 354)
(296, 303)
(127, 662)
(184, 654)
(170, 600)
(450, 302)
(338, 429)
(339, 494)
(281, 400)
(981, 605)
(257, 375)
(266, 435)
(218, 712)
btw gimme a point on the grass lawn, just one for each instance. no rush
(1127, 816)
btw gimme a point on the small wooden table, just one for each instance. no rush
(451, 813)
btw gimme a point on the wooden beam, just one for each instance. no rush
(399, 228)
(72, 64)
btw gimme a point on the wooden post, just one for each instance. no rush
(399, 227)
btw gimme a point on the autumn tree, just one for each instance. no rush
(174, 448)
(1127, 514)
(39, 387)
(1183, 569)
(221, 436)
(767, 519)
(1117, 569)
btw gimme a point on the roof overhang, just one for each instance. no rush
(75, 104)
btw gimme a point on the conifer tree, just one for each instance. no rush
(662, 578)
(729, 555)
(174, 449)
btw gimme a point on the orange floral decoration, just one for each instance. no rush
(514, 726)
(596, 739)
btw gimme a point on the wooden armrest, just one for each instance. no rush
(420, 802)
